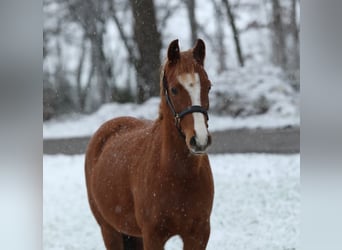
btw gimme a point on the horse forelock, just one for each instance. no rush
(186, 64)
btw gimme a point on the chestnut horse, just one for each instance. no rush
(150, 180)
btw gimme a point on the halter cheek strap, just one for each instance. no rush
(188, 110)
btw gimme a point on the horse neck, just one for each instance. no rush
(174, 148)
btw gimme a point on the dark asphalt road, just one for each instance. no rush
(277, 141)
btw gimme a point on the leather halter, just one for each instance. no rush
(186, 111)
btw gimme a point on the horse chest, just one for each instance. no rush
(177, 194)
(176, 207)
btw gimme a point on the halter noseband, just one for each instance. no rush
(188, 110)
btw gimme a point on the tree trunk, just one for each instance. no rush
(295, 33)
(219, 34)
(294, 27)
(100, 63)
(148, 42)
(235, 32)
(124, 37)
(278, 41)
(191, 7)
(78, 77)
(90, 15)
(85, 91)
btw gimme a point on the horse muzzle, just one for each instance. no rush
(197, 146)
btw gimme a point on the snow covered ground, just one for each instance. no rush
(256, 206)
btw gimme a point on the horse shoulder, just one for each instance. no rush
(109, 130)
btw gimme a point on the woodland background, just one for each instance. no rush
(101, 51)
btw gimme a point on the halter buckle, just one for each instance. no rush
(177, 119)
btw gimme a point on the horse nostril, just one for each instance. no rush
(193, 141)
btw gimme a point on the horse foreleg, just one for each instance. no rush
(152, 240)
(112, 239)
(197, 240)
(132, 243)
(195, 243)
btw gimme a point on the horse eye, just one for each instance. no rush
(174, 91)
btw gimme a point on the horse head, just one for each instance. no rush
(186, 88)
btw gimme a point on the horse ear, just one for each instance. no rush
(173, 53)
(199, 51)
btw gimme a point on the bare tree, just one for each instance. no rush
(191, 9)
(295, 32)
(236, 35)
(90, 14)
(82, 92)
(219, 34)
(278, 36)
(293, 52)
(127, 41)
(148, 42)
(169, 9)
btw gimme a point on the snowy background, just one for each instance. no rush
(250, 90)
(256, 204)
(262, 93)
(257, 196)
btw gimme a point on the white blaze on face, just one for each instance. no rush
(191, 83)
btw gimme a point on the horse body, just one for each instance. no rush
(143, 181)
(114, 170)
